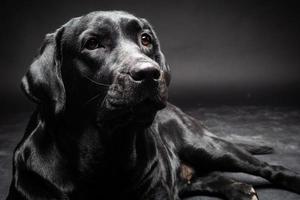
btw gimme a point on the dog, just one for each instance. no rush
(103, 128)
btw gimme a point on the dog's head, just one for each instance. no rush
(111, 60)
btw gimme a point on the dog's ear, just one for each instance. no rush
(166, 68)
(43, 81)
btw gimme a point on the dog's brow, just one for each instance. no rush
(101, 30)
(132, 25)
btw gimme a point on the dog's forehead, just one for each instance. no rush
(114, 16)
(106, 21)
(107, 18)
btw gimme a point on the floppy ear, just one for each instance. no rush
(43, 81)
(166, 68)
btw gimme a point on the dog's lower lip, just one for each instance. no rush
(113, 102)
(117, 105)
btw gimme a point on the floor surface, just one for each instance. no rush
(278, 127)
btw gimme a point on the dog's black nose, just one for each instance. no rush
(145, 71)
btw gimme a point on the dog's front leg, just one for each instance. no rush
(218, 154)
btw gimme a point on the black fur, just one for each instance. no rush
(103, 128)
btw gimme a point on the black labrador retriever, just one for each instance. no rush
(103, 128)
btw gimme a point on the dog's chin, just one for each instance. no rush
(140, 113)
(139, 108)
(146, 108)
(144, 112)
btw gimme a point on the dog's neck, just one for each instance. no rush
(122, 156)
(128, 151)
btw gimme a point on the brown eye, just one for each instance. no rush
(92, 44)
(146, 39)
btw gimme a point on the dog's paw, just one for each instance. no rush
(253, 194)
(241, 191)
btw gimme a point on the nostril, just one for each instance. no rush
(156, 74)
(137, 75)
(145, 73)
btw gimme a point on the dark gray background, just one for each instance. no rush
(241, 53)
(221, 52)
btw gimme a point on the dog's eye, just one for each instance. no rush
(146, 39)
(92, 44)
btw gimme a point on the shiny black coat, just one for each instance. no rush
(103, 128)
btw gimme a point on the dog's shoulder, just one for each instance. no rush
(170, 112)
(174, 115)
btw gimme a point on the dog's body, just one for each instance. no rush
(103, 128)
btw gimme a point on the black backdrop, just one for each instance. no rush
(220, 52)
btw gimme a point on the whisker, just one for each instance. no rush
(103, 101)
(95, 82)
(91, 99)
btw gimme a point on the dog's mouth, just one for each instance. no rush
(142, 113)
(131, 102)
(125, 93)
(138, 108)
